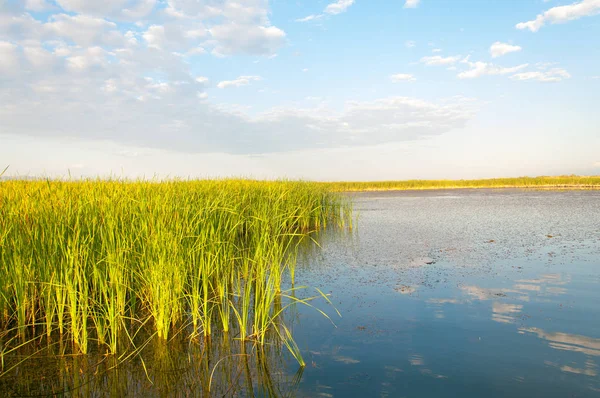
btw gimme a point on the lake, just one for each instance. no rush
(466, 293)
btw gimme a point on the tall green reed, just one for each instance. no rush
(91, 261)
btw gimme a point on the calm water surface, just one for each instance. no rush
(466, 293)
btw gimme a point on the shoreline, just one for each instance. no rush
(564, 182)
(451, 188)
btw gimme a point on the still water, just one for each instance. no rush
(464, 293)
(470, 293)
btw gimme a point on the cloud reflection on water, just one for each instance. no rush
(531, 291)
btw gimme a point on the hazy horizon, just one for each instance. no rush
(348, 90)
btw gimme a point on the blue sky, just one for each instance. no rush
(323, 90)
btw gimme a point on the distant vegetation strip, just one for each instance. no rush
(559, 182)
(94, 262)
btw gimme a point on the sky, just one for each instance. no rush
(318, 90)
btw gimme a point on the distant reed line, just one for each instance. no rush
(559, 182)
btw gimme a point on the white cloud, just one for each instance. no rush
(155, 36)
(479, 69)
(240, 81)
(402, 77)
(338, 7)
(175, 37)
(37, 5)
(178, 117)
(84, 75)
(227, 27)
(9, 58)
(499, 49)
(310, 18)
(235, 38)
(436, 50)
(84, 30)
(196, 33)
(86, 59)
(39, 57)
(411, 3)
(110, 86)
(243, 12)
(335, 8)
(92, 7)
(552, 75)
(438, 60)
(139, 9)
(118, 9)
(202, 79)
(196, 51)
(410, 44)
(562, 14)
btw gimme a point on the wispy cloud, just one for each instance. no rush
(411, 3)
(338, 7)
(549, 76)
(478, 69)
(197, 126)
(543, 74)
(438, 60)
(499, 49)
(562, 14)
(310, 18)
(240, 81)
(402, 77)
(334, 8)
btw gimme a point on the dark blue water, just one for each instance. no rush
(474, 293)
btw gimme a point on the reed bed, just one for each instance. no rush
(559, 182)
(94, 262)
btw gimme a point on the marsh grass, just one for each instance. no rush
(564, 182)
(92, 263)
